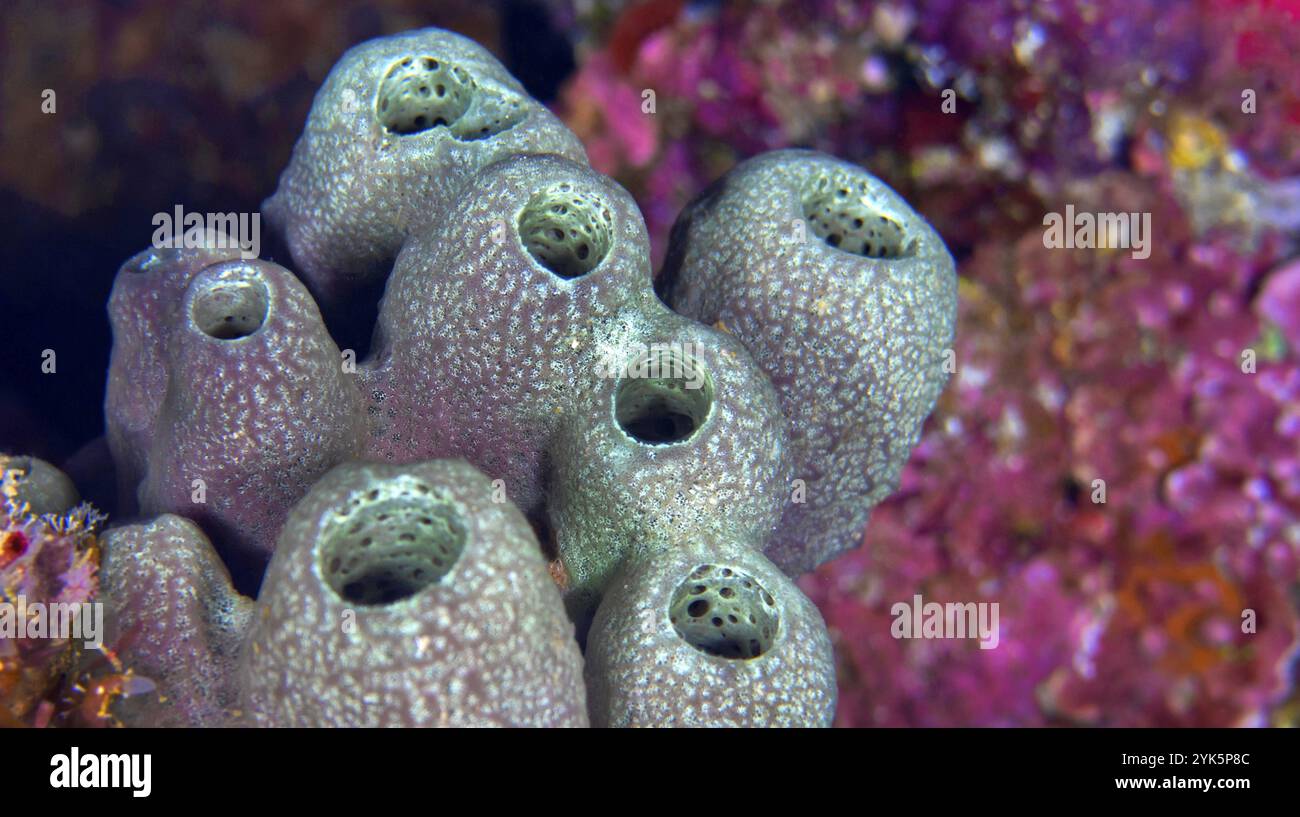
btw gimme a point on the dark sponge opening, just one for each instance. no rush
(723, 612)
(664, 398)
(838, 212)
(229, 309)
(389, 543)
(567, 231)
(419, 93)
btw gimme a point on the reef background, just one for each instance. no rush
(1072, 365)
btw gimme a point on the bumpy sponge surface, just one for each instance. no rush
(175, 620)
(401, 123)
(674, 460)
(847, 299)
(406, 596)
(709, 634)
(257, 406)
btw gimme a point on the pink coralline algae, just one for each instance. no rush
(656, 453)
(1165, 604)
(1116, 459)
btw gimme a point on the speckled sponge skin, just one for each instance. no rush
(141, 310)
(485, 644)
(255, 419)
(852, 336)
(172, 614)
(354, 188)
(662, 453)
(487, 354)
(642, 671)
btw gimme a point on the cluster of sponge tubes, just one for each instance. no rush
(525, 376)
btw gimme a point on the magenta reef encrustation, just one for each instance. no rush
(679, 467)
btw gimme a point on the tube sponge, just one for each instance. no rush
(661, 453)
(174, 619)
(847, 299)
(141, 310)
(483, 349)
(523, 333)
(407, 596)
(399, 126)
(257, 407)
(686, 441)
(708, 634)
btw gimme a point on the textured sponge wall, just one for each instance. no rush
(847, 299)
(675, 455)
